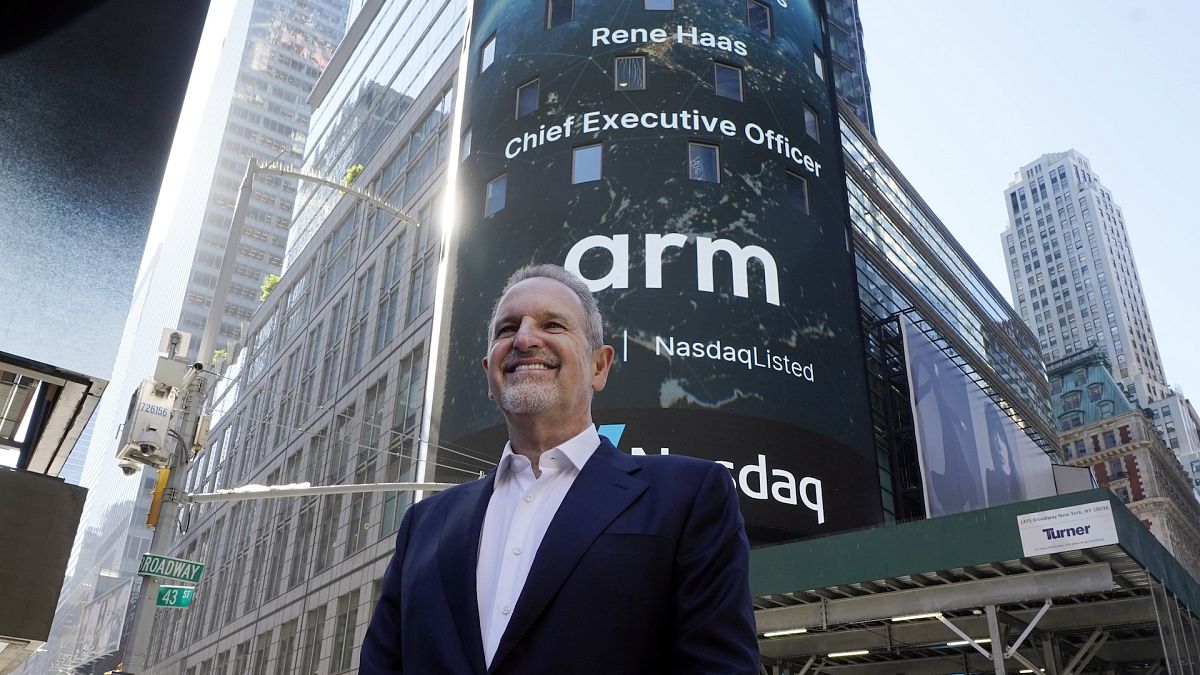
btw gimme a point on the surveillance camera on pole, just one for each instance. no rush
(144, 436)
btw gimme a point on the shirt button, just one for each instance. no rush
(528, 498)
(517, 551)
(506, 610)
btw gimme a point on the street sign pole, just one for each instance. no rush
(138, 644)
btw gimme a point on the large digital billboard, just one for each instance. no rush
(972, 454)
(683, 159)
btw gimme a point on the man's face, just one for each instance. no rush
(539, 363)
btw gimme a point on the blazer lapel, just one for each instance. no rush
(601, 491)
(458, 552)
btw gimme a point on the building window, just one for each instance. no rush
(586, 163)
(487, 55)
(527, 98)
(1071, 400)
(314, 629)
(819, 65)
(344, 632)
(727, 80)
(797, 192)
(704, 162)
(758, 16)
(629, 73)
(660, 5)
(1116, 469)
(285, 652)
(465, 149)
(493, 199)
(812, 123)
(559, 12)
(1070, 421)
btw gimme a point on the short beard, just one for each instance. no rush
(529, 398)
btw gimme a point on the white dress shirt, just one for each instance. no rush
(518, 514)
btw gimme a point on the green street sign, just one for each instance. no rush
(170, 568)
(174, 596)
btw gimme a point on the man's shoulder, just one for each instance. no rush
(676, 467)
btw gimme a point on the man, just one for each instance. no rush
(571, 557)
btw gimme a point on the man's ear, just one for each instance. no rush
(485, 370)
(602, 360)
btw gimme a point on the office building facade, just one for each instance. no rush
(1178, 425)
(329, 384)
(1072, 273)
(909, 265)
(247, 97)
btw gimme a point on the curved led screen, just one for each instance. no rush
(684, 159)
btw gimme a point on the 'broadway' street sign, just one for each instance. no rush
(170, 568)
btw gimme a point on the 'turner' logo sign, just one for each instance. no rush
(1052, 533)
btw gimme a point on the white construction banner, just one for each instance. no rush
(1067, 529)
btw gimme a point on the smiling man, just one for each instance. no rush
(570, 557)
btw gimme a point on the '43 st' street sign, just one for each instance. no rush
(174, 596)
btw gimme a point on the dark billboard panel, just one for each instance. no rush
(972, 455)
(686, 163)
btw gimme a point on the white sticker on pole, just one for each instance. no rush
(1067, 529)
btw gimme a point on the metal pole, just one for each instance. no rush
(188, 416)
(997, 642)
(212, 325)
(305, 490)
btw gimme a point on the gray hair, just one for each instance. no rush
(594, 326)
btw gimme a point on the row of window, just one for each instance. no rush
(587, 165)
(1106, 440)
(559, 12)
(256, 536)
(291, 647)
(629, 74)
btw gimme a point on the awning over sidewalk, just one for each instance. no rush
(43, 411)
(1120, 602)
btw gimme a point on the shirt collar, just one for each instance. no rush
(577, 450)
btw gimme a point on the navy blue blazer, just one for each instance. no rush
(644, 569)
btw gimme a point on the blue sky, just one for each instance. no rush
(966, 92)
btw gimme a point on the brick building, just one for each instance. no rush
(1099, 428)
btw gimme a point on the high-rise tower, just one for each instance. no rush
(1072, 273)
(247, 97)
